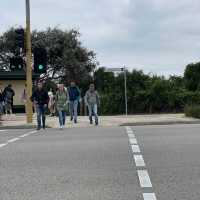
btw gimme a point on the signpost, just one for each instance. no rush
(121, 69)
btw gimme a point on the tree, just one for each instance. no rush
(192, 76)
(67, 58)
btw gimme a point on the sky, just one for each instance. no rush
(156, 36)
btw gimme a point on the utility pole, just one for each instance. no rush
(29, 110)
(125, 91)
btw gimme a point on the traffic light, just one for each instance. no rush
(16, 63)
(20, 37)
(40, 60)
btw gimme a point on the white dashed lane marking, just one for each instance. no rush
(143, 175)
(133, 141)
(22, 136)
(139, 161)
(149, 196)
(131, 135)
(2, 145)
(2, 130)
(17, 138)
(144, 178)
(135, 148)
(13, 140)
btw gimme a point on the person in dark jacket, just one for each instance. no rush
(1, 103)
(40, 98)
(74, 98)
(8, 94)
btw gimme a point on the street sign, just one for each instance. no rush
(121, 69)
(118, 70)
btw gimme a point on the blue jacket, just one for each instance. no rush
(74, 93)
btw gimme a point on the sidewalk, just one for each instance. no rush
(19, 121)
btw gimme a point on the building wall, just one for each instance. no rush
(18, 86)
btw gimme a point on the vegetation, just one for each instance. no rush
(68, 59)
(192, 111)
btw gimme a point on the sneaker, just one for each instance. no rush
(75, 121)
(61, 127)
(38, 128)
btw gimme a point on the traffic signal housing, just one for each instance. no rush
(40, 60)
(16, 63)
(20, 37)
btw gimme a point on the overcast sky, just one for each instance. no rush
(157, 36)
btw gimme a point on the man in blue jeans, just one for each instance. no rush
(92, 100)
(74, 98)
(40, 98)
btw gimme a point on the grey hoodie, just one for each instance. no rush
(92, 97)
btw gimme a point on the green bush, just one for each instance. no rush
(192, 111)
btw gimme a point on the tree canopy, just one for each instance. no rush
(68, 59)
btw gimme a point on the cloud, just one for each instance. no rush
(158, 36)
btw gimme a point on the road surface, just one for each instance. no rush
(96, 163)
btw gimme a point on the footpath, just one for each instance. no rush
(18, 121)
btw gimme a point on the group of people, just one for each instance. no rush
(66, 98)
(6, 100)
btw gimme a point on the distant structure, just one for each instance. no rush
(18, 80)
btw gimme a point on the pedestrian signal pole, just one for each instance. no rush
(29, 110)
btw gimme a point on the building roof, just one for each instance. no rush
(15, 75)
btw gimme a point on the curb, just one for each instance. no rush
(159, 123)
(20, 127)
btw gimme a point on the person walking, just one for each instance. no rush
(92, 101)
(40, 98)
(8, 94)
(62, 100)
(1, 103)
(74, 98)
(51, 104)
(24, 97)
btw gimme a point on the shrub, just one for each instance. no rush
(192, 111)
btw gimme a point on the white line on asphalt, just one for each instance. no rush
(133, 141)
(22, 136)
(2, 145)
(139, 161)
(135, 148)
(128, 128)
(144, 178)
(130, 132)
(32, 132)
(13, 140)
(27, 134)
(2, 130)
(149, 196)
(131, 135)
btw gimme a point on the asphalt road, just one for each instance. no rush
(172, 158)
(150, 162)
(73, 164)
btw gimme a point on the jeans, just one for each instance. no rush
(92, 108)
(40, 109)
(1, 108)
(62, 117)
(73, 106)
